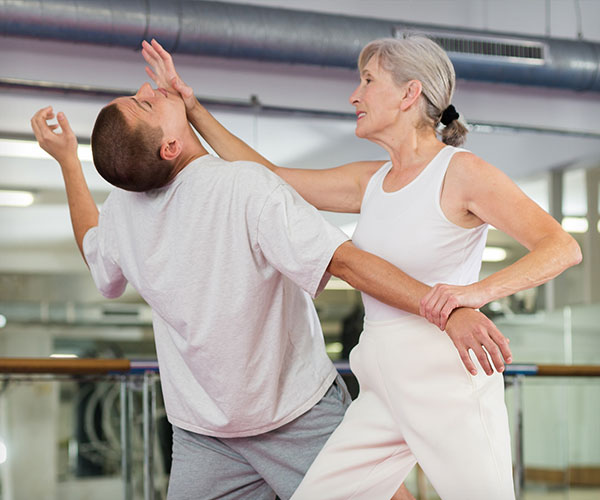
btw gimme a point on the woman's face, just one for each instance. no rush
(376, 99)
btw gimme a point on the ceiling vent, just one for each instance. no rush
(494, 47)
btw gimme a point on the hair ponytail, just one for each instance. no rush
(454, 134)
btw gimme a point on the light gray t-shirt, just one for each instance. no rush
(227, 256)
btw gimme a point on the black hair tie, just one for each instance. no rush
(449, 115)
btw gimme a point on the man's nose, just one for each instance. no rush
(145, 91)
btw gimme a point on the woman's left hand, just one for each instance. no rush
(437, 305)
(162, 71)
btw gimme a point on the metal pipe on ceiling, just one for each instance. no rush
(223, 29)
(251, 105)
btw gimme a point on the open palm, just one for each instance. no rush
(162, 72)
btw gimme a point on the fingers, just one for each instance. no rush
(155, 50)
(38, 122)
(496, 356)
(151, 56)
(482, 357)
(496, 345)
(151, 74)
(437, 305)
(467, 361)
(503, 344)
(445, 314)
(64, 123)
(471, 330)
(161, 51)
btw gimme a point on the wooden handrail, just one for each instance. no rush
(568, 370)
(99, 366)
(58, 365)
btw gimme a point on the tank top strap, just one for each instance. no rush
(376, 181)
(435, 173)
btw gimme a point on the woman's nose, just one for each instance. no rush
(354, 96)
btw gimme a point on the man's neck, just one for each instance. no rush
(193, 150)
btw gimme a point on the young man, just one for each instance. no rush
(227, 258)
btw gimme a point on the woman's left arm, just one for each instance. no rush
(486, 193)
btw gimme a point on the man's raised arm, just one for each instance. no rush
(62, 146)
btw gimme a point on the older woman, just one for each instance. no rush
(427, 211)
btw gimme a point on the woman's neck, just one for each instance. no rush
(410, 146)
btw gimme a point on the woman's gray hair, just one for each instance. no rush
(419, 58)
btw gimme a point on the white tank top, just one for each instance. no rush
(409, 229)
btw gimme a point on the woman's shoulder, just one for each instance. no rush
(468, 172)
(465, 162)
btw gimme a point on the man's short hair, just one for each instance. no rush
(128, 156)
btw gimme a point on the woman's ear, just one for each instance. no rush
(412, 90)
(170, 150)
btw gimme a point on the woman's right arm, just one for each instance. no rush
(337, 189)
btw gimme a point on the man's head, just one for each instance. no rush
(137, 140)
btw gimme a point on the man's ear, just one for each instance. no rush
(412, 90)
(170, 150)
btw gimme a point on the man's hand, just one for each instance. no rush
(437, 305)
(470, 329)
(163, 72)
(62, 146)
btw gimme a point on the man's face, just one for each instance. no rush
(157, 108)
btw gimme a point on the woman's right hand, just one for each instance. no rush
(162, 72)
(437, 305)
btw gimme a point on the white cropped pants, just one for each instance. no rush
(417, 403)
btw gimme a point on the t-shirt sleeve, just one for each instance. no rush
(296, 239)
(101, 260)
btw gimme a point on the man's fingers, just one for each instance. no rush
(64, 123)
(495, 354)
(467, 361)
(38, 122)
(502, 343)
(482, 357)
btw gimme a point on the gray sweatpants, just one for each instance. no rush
(258, 467)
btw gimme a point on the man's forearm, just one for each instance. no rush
(377, 277)
(468, 329)
(226, 145)
(82, 208)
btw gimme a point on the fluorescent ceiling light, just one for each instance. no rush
(10, 198)
(63, 356)
(575, 224)
(30, 149)
(494, 254)
(2, 321)
(3, 453)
